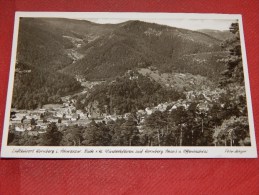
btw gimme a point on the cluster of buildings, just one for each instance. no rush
(38, 120)
(204, 103)
(66, 114)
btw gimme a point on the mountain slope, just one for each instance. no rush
(177, 81)
(104, 51)
(220, 35)
(47, 42)
(34, 87)
(139, 44)
(127, 93)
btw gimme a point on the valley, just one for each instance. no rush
(128, 84)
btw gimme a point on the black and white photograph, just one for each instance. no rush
(128, 85)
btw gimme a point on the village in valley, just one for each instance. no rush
(35, 122)
(129, 84)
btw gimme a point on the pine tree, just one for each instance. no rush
(234, 66)
(52, 137)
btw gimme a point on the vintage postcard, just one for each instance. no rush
(128, 85)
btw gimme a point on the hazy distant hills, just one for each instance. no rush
(100, 51)
(220, 35)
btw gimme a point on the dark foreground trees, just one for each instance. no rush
(234, 65)
(52, 137)
(233, 129)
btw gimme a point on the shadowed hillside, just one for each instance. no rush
(101, 51)
(47, 42)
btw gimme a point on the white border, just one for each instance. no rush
(105, 152)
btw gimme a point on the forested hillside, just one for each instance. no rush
(127, 94)
(138, 44)
(99, 51)
(34, 87)
(46, 42)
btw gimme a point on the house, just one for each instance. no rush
(185, 105)
(29, 128)
(141, 112)
(73, 119)
(161, 107)
(148, 111)
(115, 117)
(41, 132)
(59, 115)
(173, 108)
(28, 117)
(68, 117)
(16, 120)
(66, 104)
(108, 118)
(19, 128)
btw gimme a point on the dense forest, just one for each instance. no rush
(34, 87)
(127, 94)
(41, 47)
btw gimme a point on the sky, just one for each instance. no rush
(191, 24)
